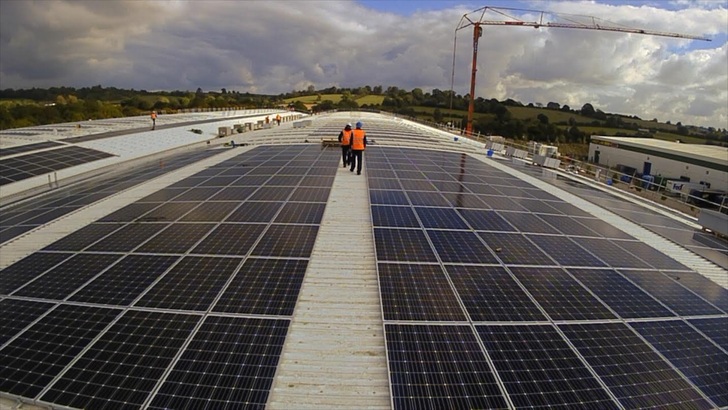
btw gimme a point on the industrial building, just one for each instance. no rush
(178, 269)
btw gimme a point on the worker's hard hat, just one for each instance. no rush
(358, 124)
(348, 125)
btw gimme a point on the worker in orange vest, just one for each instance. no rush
(345, 140)
(358, 145)
(278, 119)
(154, 119)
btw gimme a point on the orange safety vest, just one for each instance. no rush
(357, 142)
(154, 115)
(346, 137)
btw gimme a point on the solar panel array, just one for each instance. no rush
(181, 299)
(38, 163)
(16, 219)
(498, 294)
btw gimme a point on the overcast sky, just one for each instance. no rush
(275, 46)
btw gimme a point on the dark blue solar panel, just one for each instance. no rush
(703, 363)
(486, 220)
(417, 185)
(384, 197)
(703, 287)
(671, 293)
(197, 194)
(301, 212)
(515, 249)
(266, 193)
(130, 212)
(169, 212)
(501, 203)
(631, 369)
(177, 238)
(394, 216)
(560, 295)
(230, 239)
(125, 281)
(651, 255)
(192, 284)
(604, 229)
(264, 287)
(82, 238)
(538, 206)
(438, 367)
(417, 292)
(490, 293)
(427, 198)
(384, 183)
(287, 241)
(64, 279)
(233, 193)
(565, 251)
(210, 212)
(529, 223)
(621, 295)
(26, 269)
(402, 245)
(255, 212)
(540, 370)
(715, 328)
(120, 369)
(39, 354)
(460, 247)
(17, 314)
(442, 218)
(310, 194)
(127, 238)
(611, 254)
(245, 353)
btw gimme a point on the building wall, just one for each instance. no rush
(611, 156)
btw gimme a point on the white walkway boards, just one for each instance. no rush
(334, 354)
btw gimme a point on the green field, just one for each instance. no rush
(370, 99)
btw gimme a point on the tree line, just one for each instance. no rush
(36, 106)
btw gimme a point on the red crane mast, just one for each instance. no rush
(571, 21)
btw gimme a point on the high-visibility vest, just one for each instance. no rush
(154, 115)
(357, 142)
(346, 137)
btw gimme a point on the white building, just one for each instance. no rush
(700, 163)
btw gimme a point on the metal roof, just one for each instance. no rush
(712, 153)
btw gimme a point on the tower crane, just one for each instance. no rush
(570, 21)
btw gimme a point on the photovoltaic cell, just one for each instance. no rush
(197, 194)
(125, 281)
(266, 193)
(426, 198)
(192, 284)
(120, 369)
(210, 212)
(651, 255)
(234, 193)
(439, 367)
(177, 238)
(486, 220)
(714, 328)
(65, 278)
(130, 212)
(169, 212)
(515, 249)
(501, 203)
(539, 369)
(634, 373)
(626, 299)
(230, 239)
(394, 216)
(310, 194)
(264, 287)
(528, 223)
(39, 354)
(443, 218)
(604, 229)
(704, 287)
(17, 314)
(565, 251)
(27, 269)
(255, 212)
(671, 293)
(287, 241)
(417, 292)
(703, 363)
(613, 255)
(383, 197)
(301, 212)
(127, 238)
(402, 245)
(560, 295)
(229, 364)
(489, 293)
(460, 247)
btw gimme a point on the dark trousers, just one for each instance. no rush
(345, 153)
(356, 160)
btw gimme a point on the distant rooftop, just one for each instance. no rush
(713, 153)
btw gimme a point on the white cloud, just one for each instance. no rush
(275, 47)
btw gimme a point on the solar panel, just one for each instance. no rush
(253, 211)
(192, 284)
(491, 294)
(432, 299)
(420, 198)
(230, 239)
(434, 367)
(229, 364)
(607, 251)
(528, 223)
(384, 197)
(125, 281)
(264, 287)
(633, 372)
(27, 269)
(38, 355)
(301, 212)
(402, 245)
(310, 194)
(287, 241)
(17, 315)
(169, 212)
(460, 247)
(621, 295)
(540, 370)
(120, 369)
(196, 194)
(671, 293)
(130, 212)
(443, 218)
(486, 220)
(565, 251)
(652, 256)
(64, 279)
(702, 362)
(515, 249)
(714, 328)
(560, 295)
(210, 212)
